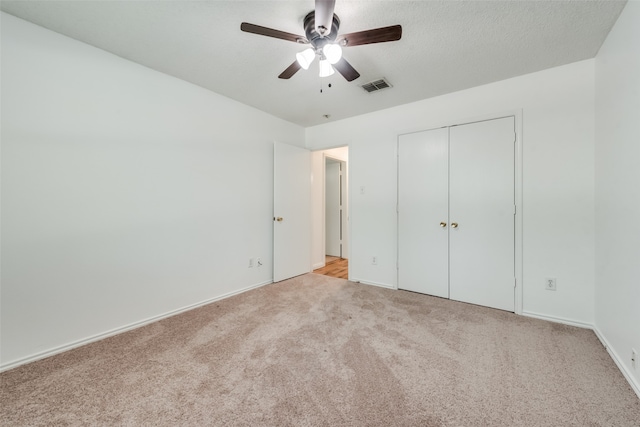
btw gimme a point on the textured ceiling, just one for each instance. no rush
(446, 46)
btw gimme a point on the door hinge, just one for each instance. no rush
(514, 282)
(514, 209)
(397, 209)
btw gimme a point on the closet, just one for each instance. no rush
(456, 207)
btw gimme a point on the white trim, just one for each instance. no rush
(318, 265)
(348, 219)
(519, 228)
(122, 329)
(618, 361)
(558, 320)
(380, 285)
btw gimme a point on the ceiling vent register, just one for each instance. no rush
(376, 85)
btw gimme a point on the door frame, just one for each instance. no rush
(518, 162)
(346, 203)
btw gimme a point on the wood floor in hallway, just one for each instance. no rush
(335, 267)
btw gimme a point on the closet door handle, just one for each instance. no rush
(443, 224)
(454, 225)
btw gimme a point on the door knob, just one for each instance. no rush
(443, 224)
(279, 219)
(454, 225)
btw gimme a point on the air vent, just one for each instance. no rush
(376, 85)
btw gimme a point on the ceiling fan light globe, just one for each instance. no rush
(325, 68)
(333, 53)
(305, 58)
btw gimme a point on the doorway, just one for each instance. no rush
(330, 218)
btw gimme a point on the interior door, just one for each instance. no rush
(291, 211)
(333, 214)
(423, 189)
(481, 203)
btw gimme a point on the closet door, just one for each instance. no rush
(423, 212)
(481, 203)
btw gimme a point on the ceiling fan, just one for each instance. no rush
(321, 30)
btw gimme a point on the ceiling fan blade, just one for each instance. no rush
(270, 32)
(378, 35)
(324, 16)
(290, 71)
(347, 71)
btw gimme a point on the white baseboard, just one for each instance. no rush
(367, 282)
(317, 265)
(558, 320)
(616, 358)
(116, 331)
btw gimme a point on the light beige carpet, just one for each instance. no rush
(319, 351)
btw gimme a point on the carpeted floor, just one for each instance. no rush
(319, 351)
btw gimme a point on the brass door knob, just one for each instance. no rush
(279, 219)
(454, 225)
(443, 224)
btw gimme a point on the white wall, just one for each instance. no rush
(317, 203)
(126, 193)
(617, 292)
(558, 154)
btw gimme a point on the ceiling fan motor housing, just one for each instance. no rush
(318, 41)
(323, 42)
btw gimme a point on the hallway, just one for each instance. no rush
(335, 267)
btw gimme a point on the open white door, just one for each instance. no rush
(291, 211)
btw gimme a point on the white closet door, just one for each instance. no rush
(481, 202)
(422, 205)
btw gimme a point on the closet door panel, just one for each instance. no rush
(481, 202)
(422, 207)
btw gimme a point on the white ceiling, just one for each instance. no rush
(446, 46)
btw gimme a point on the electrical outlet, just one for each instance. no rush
(550, 284)
(251, 262)
(374, 260)
(259, 262)
(634, 358)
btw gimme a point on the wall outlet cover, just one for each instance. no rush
(550, 284)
